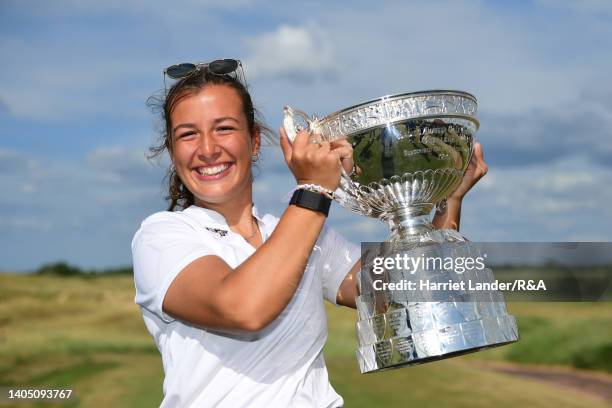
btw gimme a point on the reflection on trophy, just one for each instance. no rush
(410, 151)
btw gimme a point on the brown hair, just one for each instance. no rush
(178, 194)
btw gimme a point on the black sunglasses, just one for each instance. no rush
(227, 66)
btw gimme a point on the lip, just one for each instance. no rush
(218, 176)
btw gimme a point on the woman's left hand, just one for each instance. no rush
(450, 217)
(476, 170)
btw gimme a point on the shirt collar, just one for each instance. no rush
(213, 218)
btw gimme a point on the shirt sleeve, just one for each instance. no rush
(335, 258)
(161, 248)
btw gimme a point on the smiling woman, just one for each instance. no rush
(192, 83)
(213, 145)
(234, 300)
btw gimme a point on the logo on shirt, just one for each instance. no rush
(217, 231)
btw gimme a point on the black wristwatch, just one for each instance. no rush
(311, 200)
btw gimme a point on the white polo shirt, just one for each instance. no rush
(279, 366)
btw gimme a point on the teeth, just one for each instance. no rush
(211, 171)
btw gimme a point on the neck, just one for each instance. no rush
(238, 212)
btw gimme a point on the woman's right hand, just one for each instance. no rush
(311, 163)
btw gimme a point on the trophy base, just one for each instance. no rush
(400, 326)
(435, 358)
(437, 344)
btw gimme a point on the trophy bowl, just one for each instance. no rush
(410, 151)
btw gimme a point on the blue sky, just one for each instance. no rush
(74, 128)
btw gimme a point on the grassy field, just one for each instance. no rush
(87, 334)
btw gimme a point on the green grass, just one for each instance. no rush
(83, 333)
(568, 334)
(582, 344)
(88, 335)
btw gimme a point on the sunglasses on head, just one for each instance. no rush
(227, 66)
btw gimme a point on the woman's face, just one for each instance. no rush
(212, 145)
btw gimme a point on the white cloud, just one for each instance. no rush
(569, 182)
(560, 201)
(67, 209)
(578, 128)
(76, 80)
(118, 164)
(71, 65)
(295, 52)
(507, 60)
(107, 171)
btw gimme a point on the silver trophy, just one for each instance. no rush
(410, 151)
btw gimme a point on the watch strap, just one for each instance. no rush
(311, 200)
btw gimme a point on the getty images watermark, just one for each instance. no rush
(432, 264)
(479, 271)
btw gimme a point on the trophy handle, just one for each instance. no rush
(313, 125)
(291, 128)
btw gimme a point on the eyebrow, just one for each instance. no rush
(193, 126)
(224, 118)
(183, 125)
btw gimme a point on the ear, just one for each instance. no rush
(256, 140)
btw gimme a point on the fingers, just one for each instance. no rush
(315, 138)
(481, 165)
(339, 143)
(301, 139)
(478, 153)
(477, 168)
(343, 147)
(345, 152)
(302, 144)
(313, 163)
(321, 152)
(323, 146)
(285, 145)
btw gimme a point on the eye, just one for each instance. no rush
(186, 135)
(225, 129)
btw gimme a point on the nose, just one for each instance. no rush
(208, 150)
